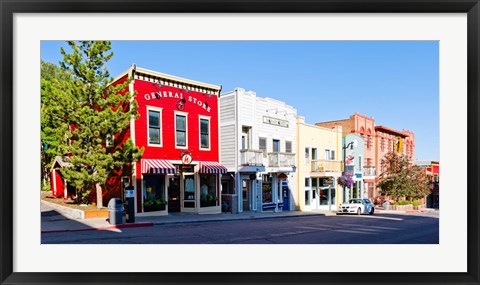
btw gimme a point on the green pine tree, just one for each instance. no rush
(100, 113)
(54, 119)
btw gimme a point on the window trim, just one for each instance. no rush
(159, 110)
(200, 118)
(175, 113)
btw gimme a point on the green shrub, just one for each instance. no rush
(402, 203)
(415, 203)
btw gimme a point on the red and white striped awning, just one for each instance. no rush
(212, 167)
(157, 166)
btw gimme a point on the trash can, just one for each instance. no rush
(386, 205)
(130, 204)
(115, 210)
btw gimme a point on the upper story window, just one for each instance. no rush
(246, 137)
(276, 145)
(204, 133)
(181, 134)
(262, 145)
(288, 146)
(329, 154)
(307, 154)
(154, 126)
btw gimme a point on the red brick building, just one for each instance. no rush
(379, 140)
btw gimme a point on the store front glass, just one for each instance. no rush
(267, 189)
(154, 193)
(208, 190)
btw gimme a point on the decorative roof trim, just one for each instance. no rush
(392, 131)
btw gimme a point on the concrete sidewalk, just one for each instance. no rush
(65, 223)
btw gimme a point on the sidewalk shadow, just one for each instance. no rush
(55, 224)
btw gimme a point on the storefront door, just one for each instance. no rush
(285, 196)
(174, 194)
(314, 198)
(189, 192)
(246, 194)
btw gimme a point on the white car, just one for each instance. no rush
(357, 206)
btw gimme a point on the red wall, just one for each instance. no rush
(145, 97)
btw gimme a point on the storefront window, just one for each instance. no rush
(332, 196)
(307, 197)
(154, 193)
(208, 190)
(227, 184)
(267, 189)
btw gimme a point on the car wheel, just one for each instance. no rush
(359, 211)
(371, 211)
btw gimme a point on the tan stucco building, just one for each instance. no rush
(319, 164)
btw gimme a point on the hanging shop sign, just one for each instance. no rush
(186, 158)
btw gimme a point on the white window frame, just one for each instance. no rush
(175, 113)
(200, 118)
(159, 110)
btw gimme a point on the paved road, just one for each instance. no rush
(365, 229)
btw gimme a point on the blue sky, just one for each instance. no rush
(396, 82)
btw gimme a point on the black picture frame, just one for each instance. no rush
(9, 8)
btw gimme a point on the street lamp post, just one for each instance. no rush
(350, 145)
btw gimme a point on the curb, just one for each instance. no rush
(237, 219)
(77, 214)
(121, 226)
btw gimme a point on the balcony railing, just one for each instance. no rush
(251, 157)
(322, 165)
(281, 159)
(369, 171)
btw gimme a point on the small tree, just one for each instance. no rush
(400, 178)
(97, 112)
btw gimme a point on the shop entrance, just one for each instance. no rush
(174, 194)
(246, 194)
(285, 196)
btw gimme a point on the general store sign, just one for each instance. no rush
(169, 94)
(275, 122)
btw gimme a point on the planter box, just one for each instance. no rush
(401, 207)
(100, 213)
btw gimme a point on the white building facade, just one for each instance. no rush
(257, 146)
